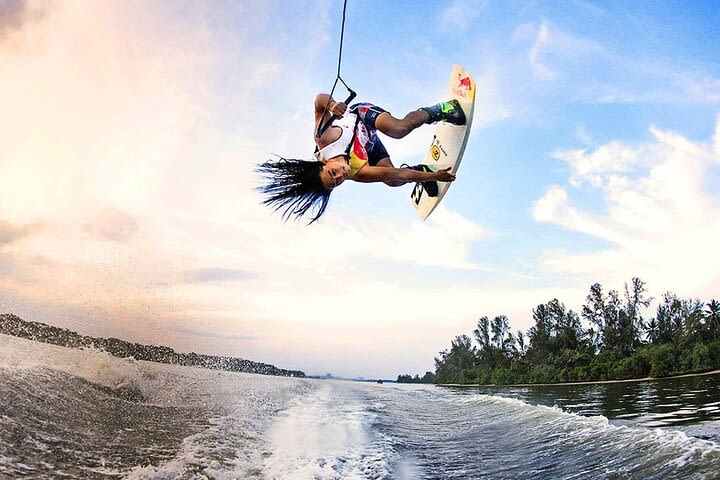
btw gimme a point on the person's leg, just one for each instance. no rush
(400, 127)
(377, 118)
(450, 112)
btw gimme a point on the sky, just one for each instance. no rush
(131, 130)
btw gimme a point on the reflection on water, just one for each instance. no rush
(655, 403)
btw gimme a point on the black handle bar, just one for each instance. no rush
(321, 128)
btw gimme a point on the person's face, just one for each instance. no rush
(334, 172)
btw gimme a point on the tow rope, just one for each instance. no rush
(322, 127)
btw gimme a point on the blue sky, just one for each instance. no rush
(127, 201)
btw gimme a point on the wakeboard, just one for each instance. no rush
(449, 141)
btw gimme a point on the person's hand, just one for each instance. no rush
(444, 175)
(338, 109)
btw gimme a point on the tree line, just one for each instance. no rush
(610, 339)
(429, 377)
(41, 332)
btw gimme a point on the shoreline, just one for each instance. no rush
(14, 326)
(596, 382)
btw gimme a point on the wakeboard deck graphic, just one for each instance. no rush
(449, 141)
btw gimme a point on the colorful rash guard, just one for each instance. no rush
(358, 140)
(350, 144)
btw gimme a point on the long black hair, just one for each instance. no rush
(294, 186)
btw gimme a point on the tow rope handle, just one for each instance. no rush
(323, 127)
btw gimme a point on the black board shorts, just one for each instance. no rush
(368, 113)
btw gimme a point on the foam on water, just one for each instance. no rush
(94, 366)
(672, 449)
(84, 413)
(329, 435)
(233, 443)
(226, 450)
(223, 415)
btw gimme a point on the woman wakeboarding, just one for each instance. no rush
(348, 148)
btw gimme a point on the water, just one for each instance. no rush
(672, 402)
(84, 414)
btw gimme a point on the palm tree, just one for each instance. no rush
(713, 316)
(653, 330)
(693, 318)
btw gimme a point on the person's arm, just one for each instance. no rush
(369, 174)
(325, 103)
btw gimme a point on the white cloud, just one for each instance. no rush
(553, 46)
(110, 111)
(461, 14)
(706, 89)
(598, 166)
(546, 209)
(139, 186)
(554, 206)
(541, 41)
(89, 129)
(594, 71)
(583, 135)
(489, 104)
(112, 225)
(139, 178)
(661, 220)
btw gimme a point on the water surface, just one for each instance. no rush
(84, 414)
(665, 402)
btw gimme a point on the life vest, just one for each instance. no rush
(351, 143)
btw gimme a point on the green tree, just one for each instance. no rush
(699, 358)
(712, 315)
(693, 320)
(502, 340)
(682, 336)
(539, 335)
(568, 329)
(522, 348)
(604, 312)
(482, 337)
(625, 334)
(510, 346)
(594, 312)
(611, 334)
(500, 328)
(662, 361)
(453, 364)
(635, 300)
(593, 339)
(668, 317)
(652, 330)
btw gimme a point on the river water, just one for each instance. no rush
(84, 414)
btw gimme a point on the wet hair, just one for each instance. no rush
(294, 186)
